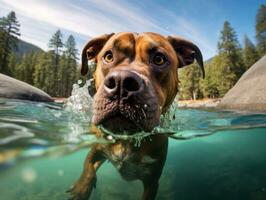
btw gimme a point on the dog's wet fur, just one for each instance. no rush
(136, 81)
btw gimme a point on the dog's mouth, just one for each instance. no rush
(125, 119)
(118, 123)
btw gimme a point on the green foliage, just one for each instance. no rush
(55, 44)
(228, 40)
(250, 53)
(223, 76)
(9, 30)
(209, 85)
(231, 53)
(42, 74)
(261, 30)
(25, 69)
(56, 73)
(13, 62)
(189, 83)
(68, 67)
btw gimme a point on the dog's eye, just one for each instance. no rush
(159, 59)
(108, 57)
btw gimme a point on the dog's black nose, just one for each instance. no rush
(123, 83)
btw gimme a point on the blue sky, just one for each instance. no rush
(198, 20)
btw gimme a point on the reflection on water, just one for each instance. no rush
(229, 164)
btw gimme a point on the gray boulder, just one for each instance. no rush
(249, 93)
(15, 89)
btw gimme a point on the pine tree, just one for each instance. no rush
(68, 67)
(250, 53)
(229, 59)
(261, 30)
(43, 73)
(25, 70)
(209, 85)
(39, 72)
(13, 61)
(63, 75)
(71, 52)
(9, 31)
(56, 44)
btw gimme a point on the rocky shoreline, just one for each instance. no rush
(204, 103)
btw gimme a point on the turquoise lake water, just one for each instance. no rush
(215, 155)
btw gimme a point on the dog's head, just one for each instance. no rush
(136, 77)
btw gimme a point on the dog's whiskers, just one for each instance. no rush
(144, 114)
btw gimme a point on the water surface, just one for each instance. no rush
(211, 154)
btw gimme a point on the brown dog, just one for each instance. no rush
(136, 81)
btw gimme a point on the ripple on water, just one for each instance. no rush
(29, 130)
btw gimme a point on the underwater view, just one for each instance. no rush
(211, 154)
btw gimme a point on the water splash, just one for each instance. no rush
(79, 106)
(167, 123)
(167, 119)
(80, 100)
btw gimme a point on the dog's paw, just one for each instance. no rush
(81, 190)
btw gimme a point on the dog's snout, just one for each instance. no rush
(131, 84)
(112, 83)
(123, 84)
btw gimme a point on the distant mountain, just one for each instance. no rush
(25, 47)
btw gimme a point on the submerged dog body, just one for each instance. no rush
(136, 81)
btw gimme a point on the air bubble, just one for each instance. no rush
(60, 172)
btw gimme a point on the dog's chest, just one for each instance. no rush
(120, 153)
(128, 162)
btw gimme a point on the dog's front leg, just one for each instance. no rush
(150, 190)
(82, 188)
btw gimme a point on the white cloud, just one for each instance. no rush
(40, 19)
(191, 32)
(87, 21)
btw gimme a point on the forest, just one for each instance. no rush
(55, 70)
(224, 69)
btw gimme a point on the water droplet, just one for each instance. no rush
(79, 82)
(109, 137)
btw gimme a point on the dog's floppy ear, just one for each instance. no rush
(91, 50)
(186, 52)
